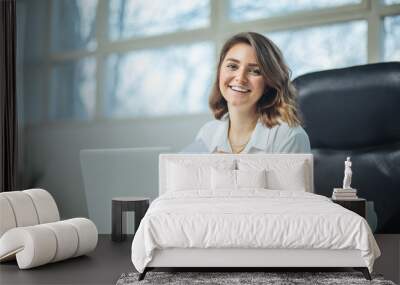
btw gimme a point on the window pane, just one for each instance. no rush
(73, 90)
(173, 80)
(73, 25)
(134, 18)
(323, 47)
(242, 10)
(392, 38)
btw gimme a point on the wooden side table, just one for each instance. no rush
(358, 206)
(121, 205)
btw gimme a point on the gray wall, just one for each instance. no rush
(51, 152)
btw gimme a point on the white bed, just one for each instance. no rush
(247, 211)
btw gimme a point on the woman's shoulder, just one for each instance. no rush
(291, 131)
(290, 139)
(209, 128)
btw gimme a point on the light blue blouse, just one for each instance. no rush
(213, 137)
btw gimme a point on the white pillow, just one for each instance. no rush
(292, 179)
(236, 179)
(188, 175)
(282, 174)
(251, 178)
(182, 177)
(223, 179)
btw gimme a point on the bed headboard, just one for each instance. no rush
(354, 112)
(165, 159)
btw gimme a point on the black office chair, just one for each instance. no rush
(355, 112)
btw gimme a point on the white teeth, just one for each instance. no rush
(239, 89)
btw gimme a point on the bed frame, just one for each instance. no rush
(241, 259)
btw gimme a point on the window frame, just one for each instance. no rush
(221, 27)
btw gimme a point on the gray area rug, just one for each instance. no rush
(228, 278)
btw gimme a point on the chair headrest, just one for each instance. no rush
(351, 107)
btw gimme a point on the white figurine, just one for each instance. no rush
(347, 174)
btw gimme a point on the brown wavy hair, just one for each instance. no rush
(279, 98)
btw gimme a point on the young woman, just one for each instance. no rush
(253, 102)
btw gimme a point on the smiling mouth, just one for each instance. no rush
(239, 89)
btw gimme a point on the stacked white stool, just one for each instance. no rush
(31, 230)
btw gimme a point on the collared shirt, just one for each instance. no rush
(213, 137)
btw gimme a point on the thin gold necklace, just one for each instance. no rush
(238, 148)
(234, 150)
(239, 145)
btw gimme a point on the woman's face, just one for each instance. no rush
(240, 79)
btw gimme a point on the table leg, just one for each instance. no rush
(140, 211)
(118, 222)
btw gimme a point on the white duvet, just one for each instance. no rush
(251, 218)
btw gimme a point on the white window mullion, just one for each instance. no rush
(219, 21)
(158, 41)
(385, 10)
(218, 16)
(100, 54)
(374, 37)
(48, 65)
(302, 19)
